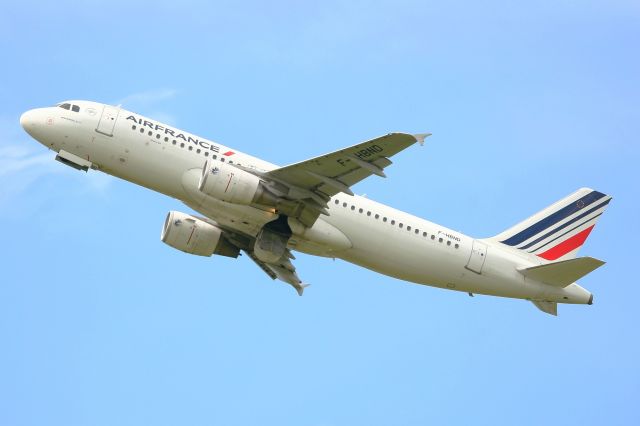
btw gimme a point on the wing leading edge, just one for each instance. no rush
(335, 172)
(311, 183)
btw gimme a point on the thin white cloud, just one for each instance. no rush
(147, 103)
(163, 117)
(23, 162)
(20, 161)
(147, 99)
(20, 167)
(17, 158)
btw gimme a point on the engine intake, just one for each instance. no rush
(195, 236)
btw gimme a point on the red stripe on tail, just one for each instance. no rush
(567, 245)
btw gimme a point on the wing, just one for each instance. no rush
(306, 187)
(302, 190)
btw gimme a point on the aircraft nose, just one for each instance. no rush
(27, 120)
(32, 122)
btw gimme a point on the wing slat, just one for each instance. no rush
(347, 166)
(303, 189)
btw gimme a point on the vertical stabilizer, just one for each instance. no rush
(558, 232)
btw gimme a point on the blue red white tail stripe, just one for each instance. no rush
(567, 224)
(561, 229)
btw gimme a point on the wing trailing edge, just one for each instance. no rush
(283, 270)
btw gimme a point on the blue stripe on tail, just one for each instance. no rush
(554, 218)
(548, 234)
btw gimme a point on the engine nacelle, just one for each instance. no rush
(270, 246)
(228, 183)
(195, 236)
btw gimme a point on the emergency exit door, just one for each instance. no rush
(478, 256)
(108, 120)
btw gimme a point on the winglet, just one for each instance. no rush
(300, 287)
(420, 137)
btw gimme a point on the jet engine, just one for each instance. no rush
(195, 236)
(271, 243)
(228, 183)
(270, 246)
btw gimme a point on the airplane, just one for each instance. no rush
(248, 205)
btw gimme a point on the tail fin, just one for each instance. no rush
(558, 232)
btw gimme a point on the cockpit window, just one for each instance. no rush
(75, 108)
(65, 106)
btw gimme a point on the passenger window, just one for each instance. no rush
(393, 222)
(198, 150)
(133, 127)
(353, 207)
(141, 129)
(166, 139)
(190, 148)
(157, 135)
(344, 204)
(337, 201)
(75, 108)
(360, 210)
(150, 133)
(400, 225)
(457, 245)
(368, 213)
(206, 154)
(384, 219)
(448, 243)
(408, 228)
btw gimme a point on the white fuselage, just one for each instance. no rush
(383, 239)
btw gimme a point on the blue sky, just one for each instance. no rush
(102, 324)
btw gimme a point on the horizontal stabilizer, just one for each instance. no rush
(561, 274)
(547, 307)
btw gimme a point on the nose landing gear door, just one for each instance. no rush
(108, 120)
(478, 256)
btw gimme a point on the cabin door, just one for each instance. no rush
(108, 120)
(478, 256)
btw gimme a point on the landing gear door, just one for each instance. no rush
(478, 256)
(108, 120)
